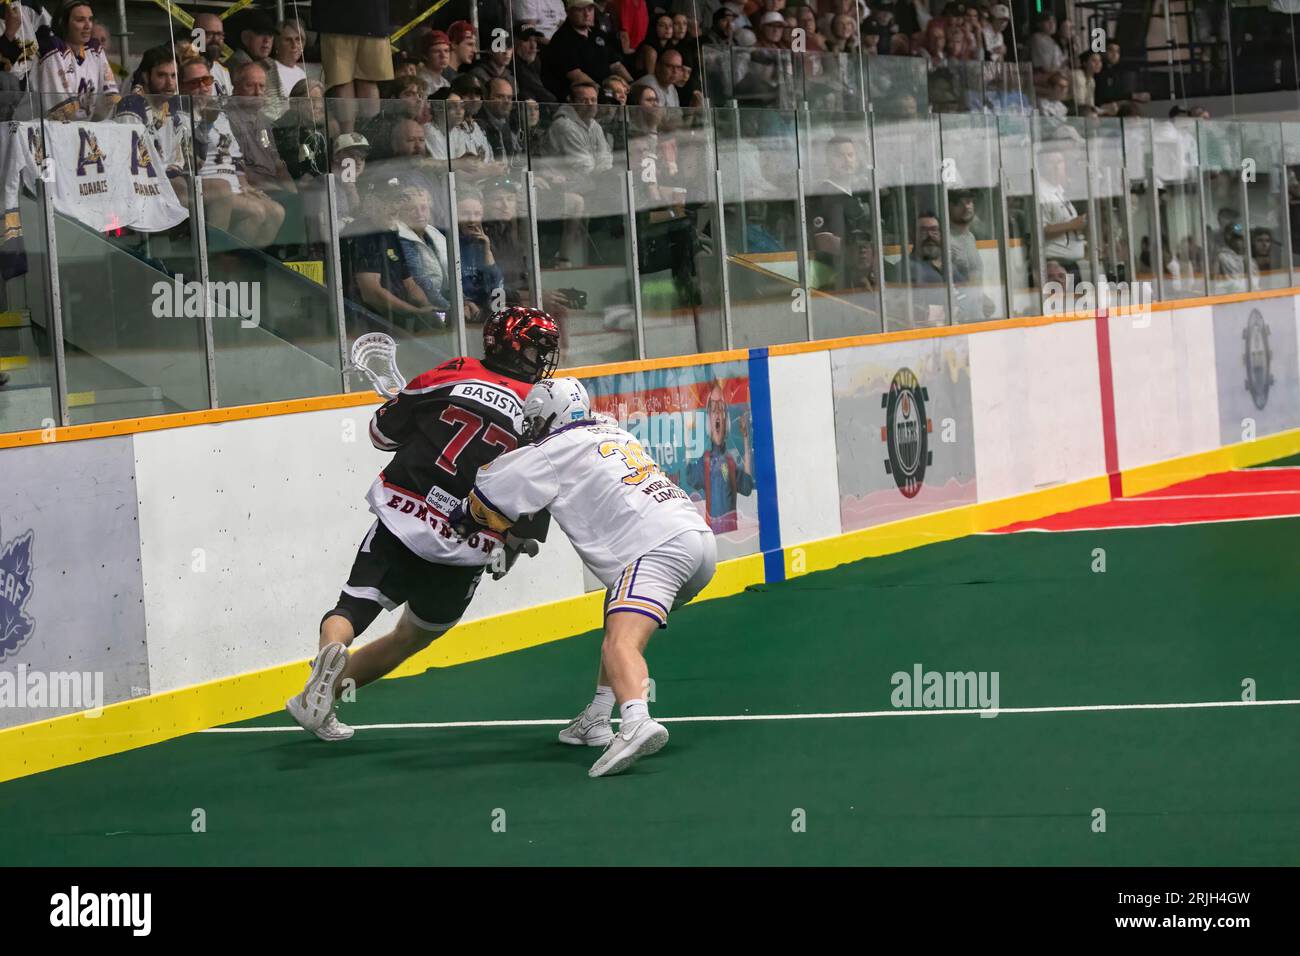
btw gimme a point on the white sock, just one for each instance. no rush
(633, 710)
(602, 703)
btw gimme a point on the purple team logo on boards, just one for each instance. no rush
(15, 588)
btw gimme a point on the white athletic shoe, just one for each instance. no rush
(315, 705)
(585, 731)
(647, 736)
(330, 729)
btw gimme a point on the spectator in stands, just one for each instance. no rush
(668, 72)
(1115, 84)
(348, 166)
(631, 22)
(657, 39)
(575, 134)
(156, 107)
(923, 270)
(230, 201)
(993, 31)
(504, 228)
(214, 38)
(840, 224)
(967, 267)
(300, 134)
(494, 63)
(423, 247)
(73, 76)
(1230, 263)
(1056, 278)
(1085, 85)
(464, 47)
(354, 51)
(772, 32)
(256, 40)
(843, 37)
(723, 28)
(414, 97)
(934, 47)
(377, 275)
(613, 91)
(435, 57)
(1044, 51)
(480, 276)
(1053, 95)
(1261, 248)
(545, 16)
(263, 167)
(499, 124)
(913, 17)
(1065, 229)
(577, 53)
(803, 18)
(464, 144)
(288, 49)
(18, 45)
(528, 66)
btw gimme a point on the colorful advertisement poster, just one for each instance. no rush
(1257, 368)
(695, 423)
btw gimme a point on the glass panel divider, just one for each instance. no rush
(56, 302)
(201, 255)
(334, 275)
(458, 279)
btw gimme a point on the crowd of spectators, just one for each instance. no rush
(276, 107)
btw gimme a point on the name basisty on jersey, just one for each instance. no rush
(442, 427)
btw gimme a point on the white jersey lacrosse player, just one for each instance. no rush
(639, 533)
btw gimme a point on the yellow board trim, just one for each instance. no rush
(1162, 474)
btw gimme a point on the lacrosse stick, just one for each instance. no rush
(374, 355)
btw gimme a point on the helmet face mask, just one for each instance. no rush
(523, 343)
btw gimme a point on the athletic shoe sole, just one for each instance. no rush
(575, 740)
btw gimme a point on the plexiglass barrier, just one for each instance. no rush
(166, 254)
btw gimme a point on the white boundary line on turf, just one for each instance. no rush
(842, 715)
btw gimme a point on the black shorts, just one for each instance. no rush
(387, 575)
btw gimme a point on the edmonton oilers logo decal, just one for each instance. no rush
(1258, 358)
(15, 589)
(906, 432)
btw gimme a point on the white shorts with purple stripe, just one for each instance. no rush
(666, 577)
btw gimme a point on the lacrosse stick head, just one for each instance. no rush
(374, 355)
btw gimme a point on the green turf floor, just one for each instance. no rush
(1180, 614)
(1290, 462)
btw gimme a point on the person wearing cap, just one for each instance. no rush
(435, 58)
(578, 52)
(528, 66)
(544, 16)
(347, 165)
(771, 32)
(464, 47)
(721, 33)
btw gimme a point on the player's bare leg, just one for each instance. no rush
(623, 660)
(383, 656)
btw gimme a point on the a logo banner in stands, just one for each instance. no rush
(903, 429)
(71, 591)
(107, 176)
(695, 423)
(1257, 368)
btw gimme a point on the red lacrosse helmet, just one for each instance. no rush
(523, 343)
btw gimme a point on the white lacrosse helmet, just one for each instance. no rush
(553, 402)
